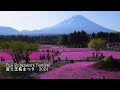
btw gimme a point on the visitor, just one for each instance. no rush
(56, 61)
(48, 58)
(52, 50)
(87, 58)
(101, 55)
(66, 59)
(1, 59)
(111, 56)
(47, 50)
(57, 52)
(53, 62)
(43, 57)
(40, 57)
(59, 59)
(93, 54)
(96, 55)
(53, 57)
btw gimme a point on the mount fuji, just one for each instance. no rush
(75, 23)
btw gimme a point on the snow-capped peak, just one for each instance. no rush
(75, 18)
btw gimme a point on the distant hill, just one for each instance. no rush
(8, 31)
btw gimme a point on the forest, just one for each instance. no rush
(75, 39)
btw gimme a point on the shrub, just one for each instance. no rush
(108, 63)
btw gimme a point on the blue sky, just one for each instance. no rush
(32, 20)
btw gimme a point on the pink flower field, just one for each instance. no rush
(6, 56)
(70, 53)
(36, 55)
(115, 54)
(84, 55)
(75, 55)
(79, 70)
(33, 56)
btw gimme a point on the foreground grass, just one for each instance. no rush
(13, 74)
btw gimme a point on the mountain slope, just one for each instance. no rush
(76, 23)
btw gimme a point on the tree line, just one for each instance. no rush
(30, 39)
(81, 39)
(110, 37)
(75, 39)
